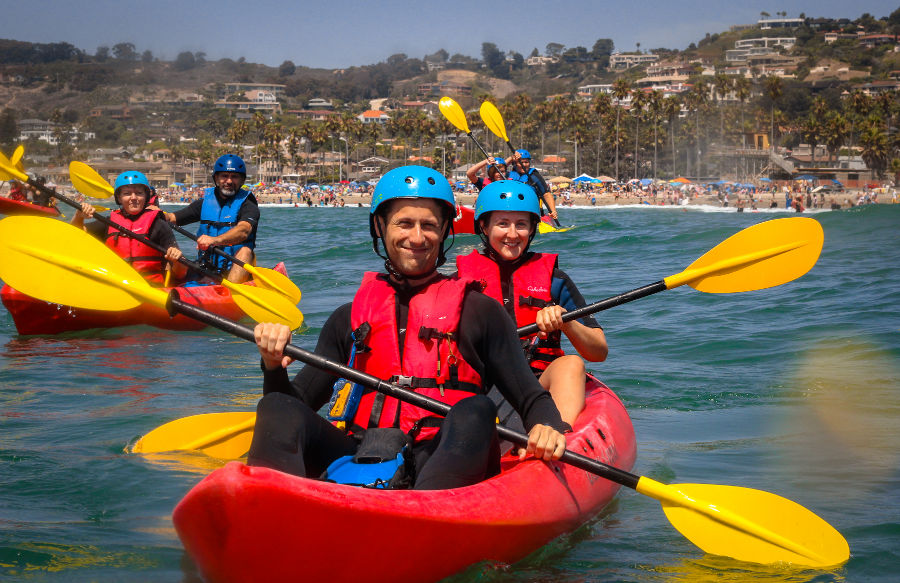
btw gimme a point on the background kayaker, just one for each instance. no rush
(464, 344)
(492, 173)
(523, 172)
(228, 216)
(16, 192)
(132, 190)
(533, 289)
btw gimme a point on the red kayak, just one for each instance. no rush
(34, 316)
(464, 223)
(245, 523)
(12, 207)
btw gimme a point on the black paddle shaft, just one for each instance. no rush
(612, 302)
(213, 248)
(137, 237)
(176, 306)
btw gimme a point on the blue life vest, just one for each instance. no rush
(526, 178)
(216, 219)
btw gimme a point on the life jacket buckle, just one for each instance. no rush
(403, 381)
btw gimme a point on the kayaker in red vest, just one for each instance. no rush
(427, 331)
(132, 189)
(493, 174)
(228, 217)
(533, 289)
(16, 192)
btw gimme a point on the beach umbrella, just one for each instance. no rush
(646, 181)
(559, 180)
(603, 178)
(682, 180)
(765, 180)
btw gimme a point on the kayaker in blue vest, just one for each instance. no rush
(132, 191)
(533, 289)
(523, 172)
(432, 333)
(228, 216)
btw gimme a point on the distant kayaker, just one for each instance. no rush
(523, 172)
(429, 332)
(132, 190)
(228, 216)
(16, 192)
(533, 289)
(493, 173)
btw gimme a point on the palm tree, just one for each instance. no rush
(671, 107)
(774, 89)
(621, 88)
(600, 106)
(655, 109)
(876, 148)
(835, 132)
(638, 100)
(723, 85)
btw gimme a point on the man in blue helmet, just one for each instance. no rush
(523, 172)
(418, 328)
(228, 217)
(132, 193)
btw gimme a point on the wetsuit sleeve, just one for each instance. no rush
(565, 293)
(161, 233)
(489, 343)
(312, 385)
(249, 211)
(189, 214)
(96, 229)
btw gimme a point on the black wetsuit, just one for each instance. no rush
(292, 437)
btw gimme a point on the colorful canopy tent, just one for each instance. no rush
(584, 178)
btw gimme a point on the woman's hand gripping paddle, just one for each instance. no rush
(91, 183)
(761, 256)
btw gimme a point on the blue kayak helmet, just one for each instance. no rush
(130, 177)
(506, 195)
(230, 163)
(409, 182)
(526, 155)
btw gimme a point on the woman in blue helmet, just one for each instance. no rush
(421, 329)
(523, 172)
(228, 217)
(533, 289)
(132, 192)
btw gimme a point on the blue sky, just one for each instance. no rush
(343, 33)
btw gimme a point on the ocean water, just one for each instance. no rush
(793, 390)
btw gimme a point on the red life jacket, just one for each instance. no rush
(530, 292)
(146, 260)
(431, 364)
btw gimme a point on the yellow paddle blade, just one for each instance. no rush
(224, 436)
(278, 282)
(57, 262)
(88, 181)
(16, 158)
(747, 524)
(454, 113)
(548, 228)
(762, 256)
(10, 171)
(491, 117)
(265, 305)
